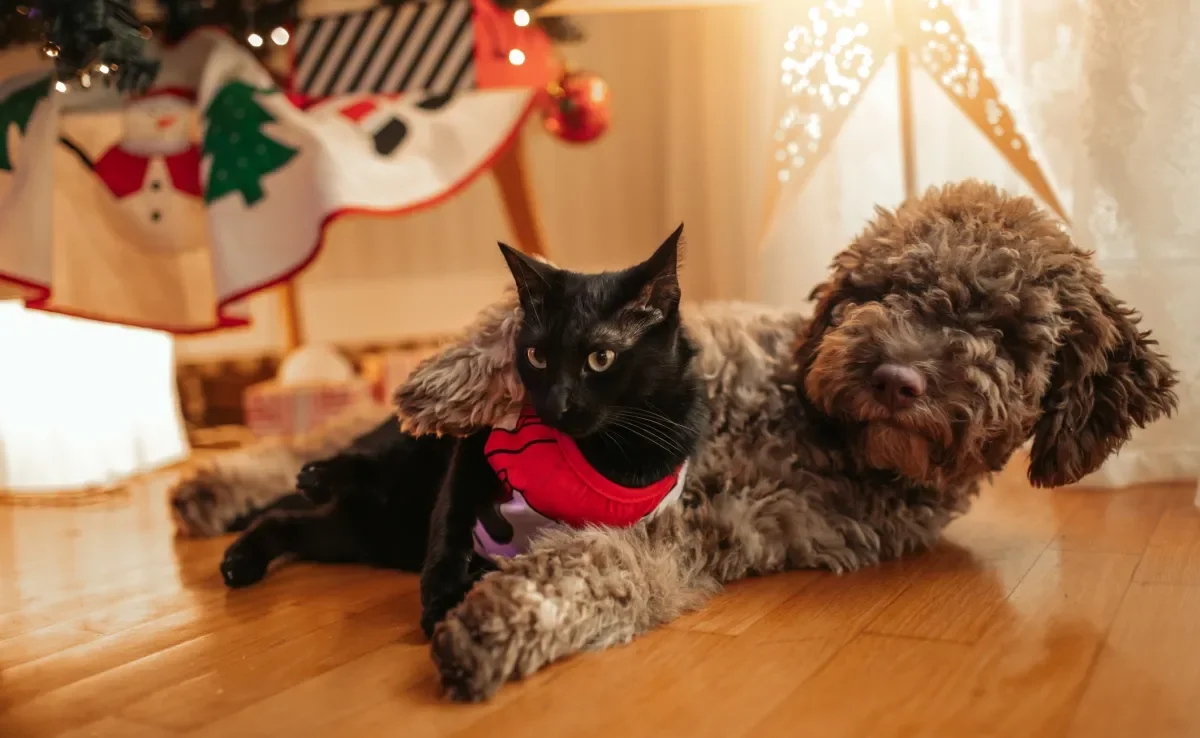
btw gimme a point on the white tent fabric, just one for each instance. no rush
(1110, 90)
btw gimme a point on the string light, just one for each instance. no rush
(516, 57)
(50, 50)
(254, 40)
(103, 69)
(60, 86)
(521, 17)
(85, 79)
(280, 36)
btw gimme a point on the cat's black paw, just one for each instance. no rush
(480, 565)
(442, 589)
(242, 567)
(323, 481)
(316, 481)
(435, 610)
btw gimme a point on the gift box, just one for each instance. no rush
(275, 410)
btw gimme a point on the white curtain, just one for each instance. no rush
(83, 404)
(1109, 90)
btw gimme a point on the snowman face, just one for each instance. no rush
(160, 125)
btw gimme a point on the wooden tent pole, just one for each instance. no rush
(516, 192)
(289, 311)
(908, 145)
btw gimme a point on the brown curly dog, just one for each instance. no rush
(949, 333)
(952, 331)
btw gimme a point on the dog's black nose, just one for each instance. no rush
(897, 386)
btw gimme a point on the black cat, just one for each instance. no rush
(615, 410)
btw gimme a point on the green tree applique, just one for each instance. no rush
(18, 108)
(241, 153)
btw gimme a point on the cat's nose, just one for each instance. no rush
(558, 402)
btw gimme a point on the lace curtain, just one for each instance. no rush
(1109, 92)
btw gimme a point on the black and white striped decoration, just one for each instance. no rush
(425, 45)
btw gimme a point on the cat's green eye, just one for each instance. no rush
(534, 357)
(601, 360)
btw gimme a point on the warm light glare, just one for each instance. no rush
(280, 36)
(103, 69)
(254, 40)
(85, 79)
(60, 86)
(83, 403)
(824, 66)
(521, 17)
(516, 57)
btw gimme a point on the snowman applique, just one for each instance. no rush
(154, 172)
(416, 121)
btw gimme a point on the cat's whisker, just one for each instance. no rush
(659, 427)
(662, 432)
(654, 409)
(649, 438)
(660, 420)
(616, 442)
(651, 434)
(654, 415)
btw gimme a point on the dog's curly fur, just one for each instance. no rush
(983, 293)
(221, 493)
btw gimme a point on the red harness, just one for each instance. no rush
(546, 480)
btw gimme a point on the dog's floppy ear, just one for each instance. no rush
(1108, 378)
(826, 295)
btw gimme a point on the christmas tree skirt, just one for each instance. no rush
(168, 209)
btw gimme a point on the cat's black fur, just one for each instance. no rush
(396, 501)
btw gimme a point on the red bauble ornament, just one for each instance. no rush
(576, 107)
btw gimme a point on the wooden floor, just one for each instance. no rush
(1067, 613)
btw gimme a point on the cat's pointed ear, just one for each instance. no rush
(532, 277)
(659, 276)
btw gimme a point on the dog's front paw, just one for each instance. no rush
(199, 505)
(504, 629)
(470, 664)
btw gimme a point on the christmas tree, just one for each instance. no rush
(18, 108)
(241, 153)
